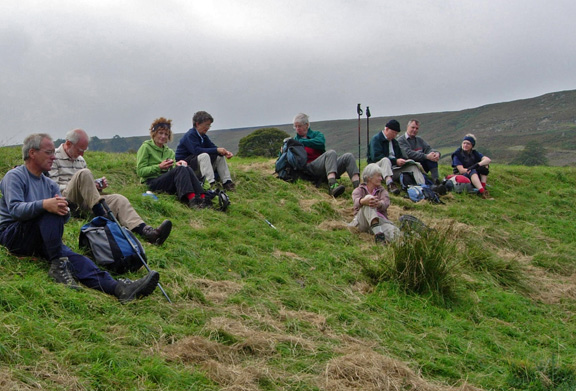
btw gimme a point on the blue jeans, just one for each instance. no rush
(42, 237)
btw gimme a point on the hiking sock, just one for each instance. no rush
(190, 196)
(483, 184)
(98, 210)
(355, 184)
(139, 228)
(332, 182)
(481, 190)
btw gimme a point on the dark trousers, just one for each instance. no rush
(42, 237)
(180, 180)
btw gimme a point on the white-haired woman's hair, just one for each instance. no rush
(301, 118)
(369, 171)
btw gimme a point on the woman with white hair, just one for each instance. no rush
(371, 203)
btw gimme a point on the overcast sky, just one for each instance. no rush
(113, 66)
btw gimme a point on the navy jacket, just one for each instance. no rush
(194, 144)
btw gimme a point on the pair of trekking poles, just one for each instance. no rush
(368, 115)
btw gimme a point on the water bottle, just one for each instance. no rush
(150, 194)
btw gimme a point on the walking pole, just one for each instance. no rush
(368, 128)
(360, 112)
(134, 247)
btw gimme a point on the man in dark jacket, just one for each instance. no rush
(322, 163)
(386, 152)
(202, 154)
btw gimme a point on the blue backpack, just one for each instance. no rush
(109, 247)
(423, 192)
(292, 160)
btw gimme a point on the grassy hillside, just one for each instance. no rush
(503, 129)
(299, 307)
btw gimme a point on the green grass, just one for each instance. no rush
(265, 309)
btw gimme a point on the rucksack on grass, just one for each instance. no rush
(459, 184)
(292, 160)
(423, 192)
(109, 247)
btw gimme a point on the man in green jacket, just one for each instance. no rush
(322, 163)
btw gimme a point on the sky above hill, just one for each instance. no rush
(112, 67)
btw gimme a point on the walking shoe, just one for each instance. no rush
(380, 238)
(158, 235)
(336, 190)
(229, 186)
(128, 290)
(197, 203)
(393, 188)
(61, 273)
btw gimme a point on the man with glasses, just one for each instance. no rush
(196, 148)
(78, 185)
(322, 163)
(32, 218)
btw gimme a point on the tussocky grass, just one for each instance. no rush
(259, 308)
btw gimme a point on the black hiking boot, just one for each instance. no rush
(229, 186)
(61, 273)
(128, 290)
(158, 235)
(380, 238)
(336, 190)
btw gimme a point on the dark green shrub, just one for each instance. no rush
(265, 142)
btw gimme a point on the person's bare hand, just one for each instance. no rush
(57, 205)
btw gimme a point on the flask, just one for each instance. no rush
(150, 194)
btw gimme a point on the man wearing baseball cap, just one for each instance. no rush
(385, 151)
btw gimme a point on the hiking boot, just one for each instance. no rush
(128, 290)
(336, 190)
(61, 273)
(440, 189)
(393, 188)
(158, 235)
(485, 195)
(229, 186)
(380, 238)
(197, 203)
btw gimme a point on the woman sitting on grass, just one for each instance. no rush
(471, 164)
(371, 202)
(156, 167)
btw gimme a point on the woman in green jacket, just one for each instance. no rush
(156, 167)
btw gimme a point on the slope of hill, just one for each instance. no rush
(292, 307)
(503, 129)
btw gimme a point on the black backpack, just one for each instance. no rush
(292, 160)
(407, 180)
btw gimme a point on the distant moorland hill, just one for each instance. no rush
(502, 129)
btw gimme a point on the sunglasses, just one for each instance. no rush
(161, 126)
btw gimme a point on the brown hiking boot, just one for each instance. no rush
(393, 188)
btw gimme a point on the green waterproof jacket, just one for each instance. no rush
(149, 157)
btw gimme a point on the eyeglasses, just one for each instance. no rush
(80, 149)
(49, 152)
